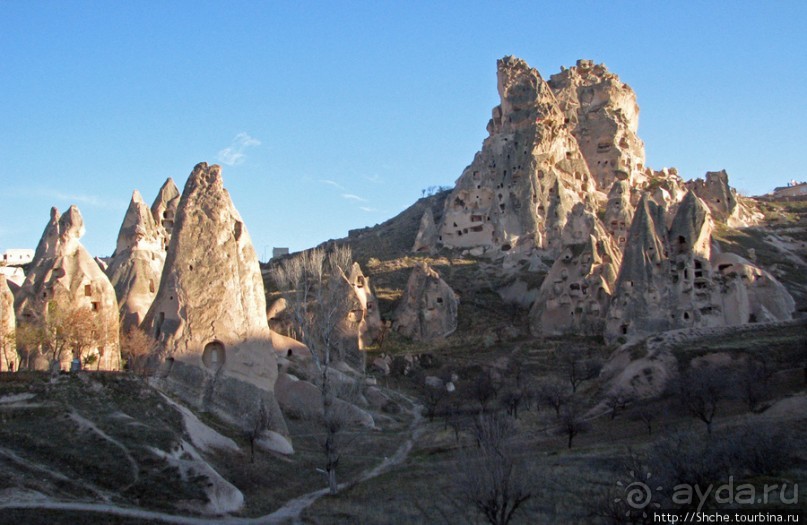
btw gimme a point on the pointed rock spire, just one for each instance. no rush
(136, 266)
(428, 308)
(164, 210)
(209, 315)
(65, 275)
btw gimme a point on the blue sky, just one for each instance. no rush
(328, 116)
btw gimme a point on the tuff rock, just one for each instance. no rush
(576, 292)
(9, 359)
(164, 210)
(427, 235)
(209, 315)
(428, 308)
(603, 115)
(137, 264)
(520, 187)
(65, 275)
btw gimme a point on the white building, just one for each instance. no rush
(17, 256)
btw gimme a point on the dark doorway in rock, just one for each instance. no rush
(213, 355)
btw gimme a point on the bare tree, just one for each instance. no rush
(646, 414)
(432, 397)
(484, 389)
(8, 349)
(319, 302)
(554, 393)
(492, 479)
(578, 367)
(618, 400)
(572, 422)
(754, 380)
(701, 390)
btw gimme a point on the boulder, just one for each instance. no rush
(209, 315)
(303, 400)
(428, 308)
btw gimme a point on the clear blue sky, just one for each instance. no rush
(328, 116)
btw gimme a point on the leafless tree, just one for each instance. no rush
(511, 400)
(618, 400)
(484, 389)
(492, 479)
(554, 393)
(644, 413)
(578, 367)
(572, 422)
(8, 349)
(319, 301)
(701, 391)
(432, 398)
(754, 380)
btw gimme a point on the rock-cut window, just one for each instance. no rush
(214, 356)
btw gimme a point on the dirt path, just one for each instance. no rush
(288, 513)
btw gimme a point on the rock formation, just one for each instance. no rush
(209, 316)
(722, 200)
(428, 308)
(164, 210)
(671, 279)
(427, 235)
(519, 188)
(603, 115)
(65, 275)
(364, 313)
(137, 263)
(9, 360)
(576, 292)
(619, 212)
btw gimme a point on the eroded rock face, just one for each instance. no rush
(9, 359)
(723, 201)
(137, 263)
(671, 279)
(428, 308)
(364, 314)
(164, 210)
(65, 274)
(619, 212)
(575, 295)
(520, 187)
(603, 115)
(209, 315)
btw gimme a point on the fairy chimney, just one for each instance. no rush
(65, 278)
(209, 315)
(428, 308)
(137, 263)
